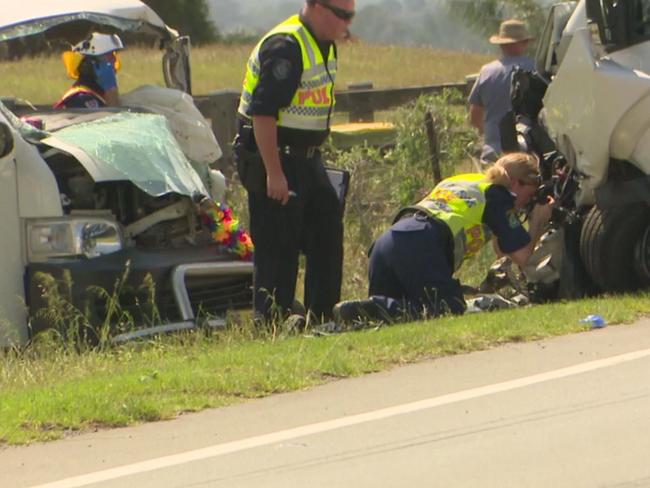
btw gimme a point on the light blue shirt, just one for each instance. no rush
(492, 92)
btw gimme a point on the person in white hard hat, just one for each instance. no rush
(93, 63)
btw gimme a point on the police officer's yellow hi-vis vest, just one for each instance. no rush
(313, 102)
(459, 201)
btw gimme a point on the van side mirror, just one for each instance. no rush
(6, 140)
(176, 65)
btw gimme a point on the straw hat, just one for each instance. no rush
(511, 31)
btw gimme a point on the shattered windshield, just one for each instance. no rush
(136, 147)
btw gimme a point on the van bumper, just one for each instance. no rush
(159, 290)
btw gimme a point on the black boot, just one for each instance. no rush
(356, 311)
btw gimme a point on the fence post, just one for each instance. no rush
(434, 148)
(361, 110)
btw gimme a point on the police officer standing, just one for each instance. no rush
(284, 116)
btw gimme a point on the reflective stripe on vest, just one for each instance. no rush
(459, 201)
(75, 90)
(312, 103)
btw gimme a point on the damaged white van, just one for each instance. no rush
(99, 197)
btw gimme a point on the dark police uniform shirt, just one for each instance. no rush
(280, 73)
(501, 217)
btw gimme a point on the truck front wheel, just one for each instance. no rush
(642, 257)
(610, 246)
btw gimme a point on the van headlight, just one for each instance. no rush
(74, 237)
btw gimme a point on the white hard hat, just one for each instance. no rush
(98, 44)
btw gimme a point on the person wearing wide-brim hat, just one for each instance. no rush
(489, 100)
(512, 31)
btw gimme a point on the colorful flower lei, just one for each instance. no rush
(225, 229)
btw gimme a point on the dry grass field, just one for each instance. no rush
(42, 80)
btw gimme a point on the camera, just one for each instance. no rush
(545, 190)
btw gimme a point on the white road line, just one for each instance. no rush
(284, 435)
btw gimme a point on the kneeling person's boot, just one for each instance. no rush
(295, 323)
(354, 311)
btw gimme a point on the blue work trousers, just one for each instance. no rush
(411, 270)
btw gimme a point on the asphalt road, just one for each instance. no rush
(573, 411)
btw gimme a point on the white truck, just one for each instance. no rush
(586, 113)
(97, 196)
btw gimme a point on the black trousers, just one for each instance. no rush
(310, 222)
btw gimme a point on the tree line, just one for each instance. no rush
(189, 17)
(453, 24)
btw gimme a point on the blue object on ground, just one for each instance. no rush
(596, 321)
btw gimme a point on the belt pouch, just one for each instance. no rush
(250, 168)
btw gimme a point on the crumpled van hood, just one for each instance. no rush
(135, 147)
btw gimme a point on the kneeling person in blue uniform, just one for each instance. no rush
(412, 264)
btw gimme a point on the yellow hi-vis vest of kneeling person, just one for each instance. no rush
(459, 202)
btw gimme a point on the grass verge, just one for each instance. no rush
(47, 394)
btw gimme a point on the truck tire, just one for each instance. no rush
(575, 280)
(608, 241)
(642, 257)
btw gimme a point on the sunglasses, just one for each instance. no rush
(341, 13)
